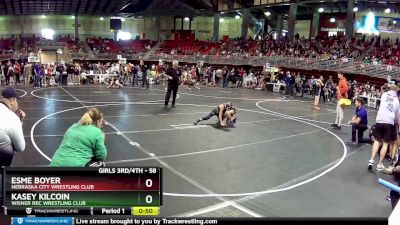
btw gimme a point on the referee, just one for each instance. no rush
(173, 74)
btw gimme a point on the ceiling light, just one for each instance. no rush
(72, 17)
(333, 20)
(122, 19)
(187, 18)
(237, 17)
(394, 21)
(267, 13)
(221, 20)
(355, 9)
(43, 16)
(387, 10)
(321, 10)
(101, 18)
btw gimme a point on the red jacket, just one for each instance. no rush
(342, 88)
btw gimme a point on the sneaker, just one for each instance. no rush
(234, 120)
(196, 122)
(380, 167)
(337, 127)
(370, 164)
(352, 142)
(388, 170)
(173, 106)
(334, 125)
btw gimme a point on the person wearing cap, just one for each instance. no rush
(11, 134)
(223, 111)
(385, 131)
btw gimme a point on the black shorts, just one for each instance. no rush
(384, 132)
(6, 156)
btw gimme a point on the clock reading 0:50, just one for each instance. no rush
(145, 210)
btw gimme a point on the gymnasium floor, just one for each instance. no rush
(281, 160)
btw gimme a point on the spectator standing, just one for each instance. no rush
(385, 131)
(341, 92)
(10, 73)
(36, 69)
(318, 90)
(17, 72)
(225, 77)
(143, 69)
(6, 75)
(135, 75)
(298, 83)
(292, 82)
(218, 77)
(28, 73)
(313, 84)
(287, 83)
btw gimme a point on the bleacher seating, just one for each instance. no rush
(100, 45)
(6, 46)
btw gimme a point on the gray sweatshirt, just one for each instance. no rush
(389, 110)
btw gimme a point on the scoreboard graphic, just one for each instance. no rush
(82, 191)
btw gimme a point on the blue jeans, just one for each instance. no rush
(225, 82)
(38, 81)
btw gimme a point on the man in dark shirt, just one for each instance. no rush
(143, 69)
(134, 75)
(292, 82)
(359, 123)
(173, 74)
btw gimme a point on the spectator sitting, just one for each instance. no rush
(83, 143)
(359, 123)
(11, 134)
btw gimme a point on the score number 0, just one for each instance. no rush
(149, 183)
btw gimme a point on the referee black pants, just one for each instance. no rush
(6, 156)
(171, 88)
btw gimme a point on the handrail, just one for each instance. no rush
(345, 65)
